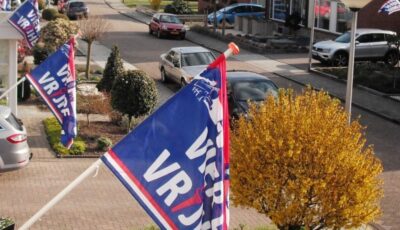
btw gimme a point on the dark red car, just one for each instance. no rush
(163, 24)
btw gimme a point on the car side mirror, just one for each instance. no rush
(357, 42)
(156, 20)
(176, 63)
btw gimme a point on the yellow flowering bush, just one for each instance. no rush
(298, 161)
(155, 4)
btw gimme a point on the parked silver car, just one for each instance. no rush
(182, 64)
(14, 149)
(371, 45)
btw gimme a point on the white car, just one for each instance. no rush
(182, 64)
(14, 149)
(371, 45)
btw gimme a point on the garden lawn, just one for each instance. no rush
(193, 5)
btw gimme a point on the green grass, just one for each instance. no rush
(134, 3)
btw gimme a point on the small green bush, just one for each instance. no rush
(49, 14)
(5, 222)
(103, 143)
(53, 131)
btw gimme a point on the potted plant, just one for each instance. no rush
(6, 223)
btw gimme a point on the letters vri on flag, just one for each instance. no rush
(175, 163)
(390, 7)
(55, 81)
(26, 20)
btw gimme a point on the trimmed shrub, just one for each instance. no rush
(62, 16)
(103, 143)
(134, 94)
(57, 32)
(49, 14)
(41, 52)
(53, 131)
(113, 69)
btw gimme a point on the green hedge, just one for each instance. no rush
(53, 131)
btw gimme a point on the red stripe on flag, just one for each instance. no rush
(142, 189)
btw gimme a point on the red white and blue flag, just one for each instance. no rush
(390, 7)
(176, 162)
(55, 81)
(5, 5)
(26, 20)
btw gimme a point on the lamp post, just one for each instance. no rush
(355, 6)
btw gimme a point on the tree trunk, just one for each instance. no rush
(89, 53)
(129, 123)
(87, 118)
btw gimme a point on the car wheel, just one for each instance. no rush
(340, 59)
(163, 75)
(183, 82)
(159, 34)
(392, 58)
(150, 31)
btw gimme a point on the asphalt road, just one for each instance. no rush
(143, 50)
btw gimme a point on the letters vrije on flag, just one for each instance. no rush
(390, 7)
(26, 20)
(55, 81)
(176, 162)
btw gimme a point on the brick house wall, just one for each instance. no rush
(204, 4)
(369, 17)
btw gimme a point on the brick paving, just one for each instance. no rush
(98, 203)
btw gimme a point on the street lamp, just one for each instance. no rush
(355, 6)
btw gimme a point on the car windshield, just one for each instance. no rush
(170, 19)
(253, 90)
(202, 58)
(77, 4)
(344, 38)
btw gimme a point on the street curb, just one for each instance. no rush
(341, 99)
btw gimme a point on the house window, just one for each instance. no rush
(322, 12)
(281, 8)
(343, 18)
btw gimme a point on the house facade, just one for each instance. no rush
(331, 17)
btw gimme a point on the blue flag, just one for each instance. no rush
(26, 20)
(174, 162)
(5, 5)
(390, 7)
(55, 81)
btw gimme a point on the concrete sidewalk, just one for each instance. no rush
(369, 100)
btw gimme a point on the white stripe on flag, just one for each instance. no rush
(132, 185)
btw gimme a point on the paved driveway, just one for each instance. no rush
(98, 203)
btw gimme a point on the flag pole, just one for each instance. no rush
(12, 87)
(61, 195)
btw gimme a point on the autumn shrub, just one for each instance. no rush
(42, 4)
(298, 161)
(53, 132)
(155, 4)
(57, 32)
(93, 104)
